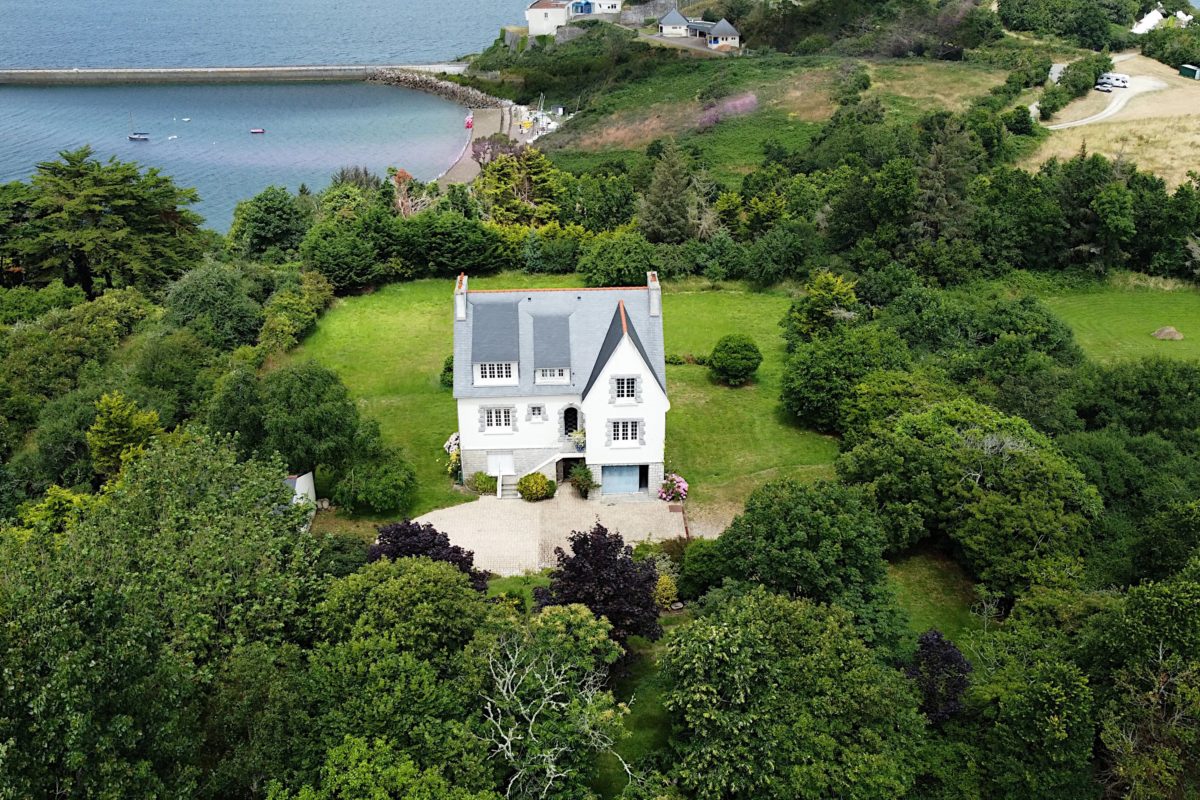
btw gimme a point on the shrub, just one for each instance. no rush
(447, 376)
(481, 483)
(665, 591)
(703, 568)
(22, 303)
(410, 539)
(619, 258)
(583, 480)
(214, 301)
(735, 359)
(535, 486)
(675, 359)
(381, 484)
(674, 489)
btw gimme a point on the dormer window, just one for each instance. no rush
(626, 388)
(553, 375)
(496, 373)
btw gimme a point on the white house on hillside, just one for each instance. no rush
(544, 17)
(532, 366)
(719, 35)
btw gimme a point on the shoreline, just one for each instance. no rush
(209, 75)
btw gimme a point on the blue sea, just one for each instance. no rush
(312, 128)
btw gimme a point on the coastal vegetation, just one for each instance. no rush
(959, 550)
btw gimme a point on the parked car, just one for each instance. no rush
(1103, 87)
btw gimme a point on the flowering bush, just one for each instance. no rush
(674, 489)
(454, 463)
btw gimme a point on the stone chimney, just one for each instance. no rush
(655, 291)
(460, 297)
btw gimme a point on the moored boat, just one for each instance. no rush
(258, 130)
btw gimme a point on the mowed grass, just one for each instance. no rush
(1114, 321)
(648, 725)
(727, 441)
(388, 347)
(935, 592)
(521, 586)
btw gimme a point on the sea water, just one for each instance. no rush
(312, 128)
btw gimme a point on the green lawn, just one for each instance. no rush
(519, 586)
(936, 593)
(1113, 322)
(648, 724)
(728, 441)
(389, 346)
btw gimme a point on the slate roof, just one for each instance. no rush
(576, 325)
(723, 28)
(673, 17)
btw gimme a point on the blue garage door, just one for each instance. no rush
(620, 480)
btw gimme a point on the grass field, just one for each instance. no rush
(648, 725)
(1114, 321)
(389, 346)
(935, 592)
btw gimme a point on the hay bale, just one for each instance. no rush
(1167, 334)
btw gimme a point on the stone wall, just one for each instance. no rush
(430, 84)
(637, 14)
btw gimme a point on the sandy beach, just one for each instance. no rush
(487, 122)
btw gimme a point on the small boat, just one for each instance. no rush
(136, 136)
(187, 119)
(258, 130)
(169, 138)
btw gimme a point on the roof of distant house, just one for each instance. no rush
(574, 329)
(673, 17)
(724, 28)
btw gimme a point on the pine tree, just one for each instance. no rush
(664, 215)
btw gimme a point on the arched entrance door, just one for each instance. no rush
(570, 420)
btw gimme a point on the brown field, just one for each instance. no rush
(1159, 131)
(944, 84)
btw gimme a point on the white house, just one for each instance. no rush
(532, 366)
(544, 17)
(719, 35)
(673, 24)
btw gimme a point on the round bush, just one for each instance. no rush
(381, 485)
(536, 486)
(735, 359)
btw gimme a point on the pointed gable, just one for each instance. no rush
(619, 329)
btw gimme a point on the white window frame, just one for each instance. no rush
(537, 413)
(496, 373)
(625, 432)
(498, 419)
(552, 375)
(631, 384)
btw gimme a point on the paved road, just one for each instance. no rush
(1138, 84)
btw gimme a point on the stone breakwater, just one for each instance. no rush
(431, 84)
(204, 75)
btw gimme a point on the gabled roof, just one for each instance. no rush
(618, 329)
(673, 17)
(723, 28)
(554, 325)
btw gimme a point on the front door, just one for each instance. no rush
(620, 480)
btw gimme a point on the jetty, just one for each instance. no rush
(93, 75)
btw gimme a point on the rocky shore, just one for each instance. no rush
(424, 82)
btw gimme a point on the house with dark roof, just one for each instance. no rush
(720, 35)
(548, 378)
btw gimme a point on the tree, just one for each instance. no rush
(882, 396)
(820, 374)
(601, 574)
(820, 541)
(108, 676)
(665, 211)
(409, 539)
(828, 301)
(546, 711)
(1171, 539)
(340, 248)
(308, 416)
(773, 698)
(174, 366)
(215, 301)
(380, 483)
(941, 674)
(120, 430)
(235, 406)
(358, 769)
(619, 258)
(270, 223)
(1001, 491)
(734, 359)
(108, 223)
(521, 188)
